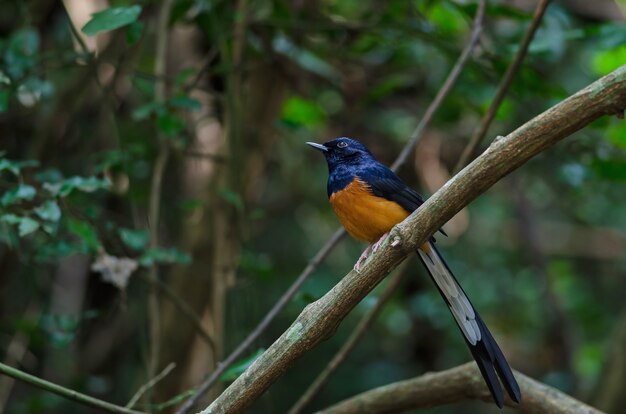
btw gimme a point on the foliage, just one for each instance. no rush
(81, 130)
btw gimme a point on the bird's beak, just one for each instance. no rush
(318, 146)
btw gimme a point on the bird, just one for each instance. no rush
(369, 199)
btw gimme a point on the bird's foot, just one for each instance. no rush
(372, 248)
(362, 259)
(379, 243)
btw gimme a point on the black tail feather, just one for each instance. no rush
(486, 352)
(501, 365)
(486, 367)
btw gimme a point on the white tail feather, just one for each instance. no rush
(458, 302)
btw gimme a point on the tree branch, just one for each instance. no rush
(64, 392)
(477, 28)
(457, 384)
(503, 88)
(338, 235)
(368, 319)
(145, 387)
(160, 95)
(360, 330)
(319, 320)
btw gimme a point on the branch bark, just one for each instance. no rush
(358, 333)
(457, 384)
(319, 320)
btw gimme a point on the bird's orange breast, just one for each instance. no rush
(365, 216)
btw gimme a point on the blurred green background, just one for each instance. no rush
(243, 203)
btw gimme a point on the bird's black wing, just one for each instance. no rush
(385, 183)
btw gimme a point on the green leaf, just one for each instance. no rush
(298, 111)
(184, 75)
(16, 166)
(110, 159)
(4, 100)
(145, 111)
(19, 193)
(163, 255)
(238, 368)
(446, 18)
(25, 225)
(10, 218)
(616, 133)
(588, 360)
(8, 165)
(49, 211)
(111, 19)
(232, 198)
(55, 249)
(607, 35)
(86, 233)
(86, 184)
(614, 170)
(170, 124)
(606, 61)
(185, 102)
(306, 59)
(48, 175)
(20, 53)
(134, 32)
(135, 239)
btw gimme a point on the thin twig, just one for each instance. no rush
(160, 163)
(332, 242)
(367, 319)
(503, 88)
(208, 60)
(185, 309)
(64, 392)
(145, 387)
(358, 333)
(77, 36)
(15, 351)
(446, 88)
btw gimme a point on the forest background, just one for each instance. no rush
(157, 198)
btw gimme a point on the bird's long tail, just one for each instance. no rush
(485, 350)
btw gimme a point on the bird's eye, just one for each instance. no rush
(342, 144)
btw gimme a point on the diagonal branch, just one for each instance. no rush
(457, 384)
(338, 235)
(64, 392)
(503, 88)
(364, 324)
(367, 320)
(319, 320)
(477, 28)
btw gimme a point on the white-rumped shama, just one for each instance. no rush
(369, 199)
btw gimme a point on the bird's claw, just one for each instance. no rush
(372, 248)
(362, 259)
(379, 243)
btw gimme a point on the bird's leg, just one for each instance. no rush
(372, 248)
(362, 259)
(379, 243)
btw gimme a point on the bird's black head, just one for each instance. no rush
(343, 150)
